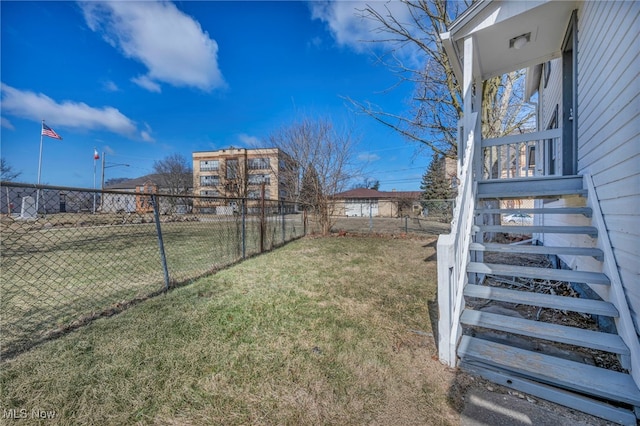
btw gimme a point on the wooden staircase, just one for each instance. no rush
(534, 356)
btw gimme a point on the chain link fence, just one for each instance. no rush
(434, 219)
(70, 255)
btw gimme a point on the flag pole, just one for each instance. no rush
(39, 168)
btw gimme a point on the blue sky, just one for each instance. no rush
(143, 80)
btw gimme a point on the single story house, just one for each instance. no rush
(364, 202)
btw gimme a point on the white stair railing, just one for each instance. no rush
(514, 156)
(453, 257)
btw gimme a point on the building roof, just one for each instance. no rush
(372, 193)
(495, 24)
(154, 178)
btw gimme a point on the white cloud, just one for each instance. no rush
(36, 106)
(145, 82)
(110, 86)
(6, 124)
(250, 141)
(171, 44)
(368, 157)
(146, 134)
(348, 24)
(315, 42)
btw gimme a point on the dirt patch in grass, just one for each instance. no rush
(321, 331)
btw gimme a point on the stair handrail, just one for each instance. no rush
(453, 256)
(624, 322)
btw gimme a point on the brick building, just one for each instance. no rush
(241, 173)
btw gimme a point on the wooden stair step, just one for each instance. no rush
(542, 273)
(532, 187)
(587, 230)
(533, 193)
(566, 374)
(585, 403)
(520, 248)
(543, 330)
(586, 211)
(564, 303)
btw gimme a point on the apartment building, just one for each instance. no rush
(241, 173)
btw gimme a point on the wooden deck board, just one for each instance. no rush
(531, 187)
(586, 230)
(574, 304)
(571, 375)
(586, 211)
(564, 397)
(520, 248)
(542, 273)
(543, 330)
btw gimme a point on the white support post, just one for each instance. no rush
(445, 299)
(467, 87)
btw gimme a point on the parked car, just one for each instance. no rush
(518, 219)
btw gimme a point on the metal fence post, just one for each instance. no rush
(406, 224)
(304, 222)
(243, 206)
(262, 220)
(163, 257)
(284, 228)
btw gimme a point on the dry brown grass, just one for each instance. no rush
(322, 331)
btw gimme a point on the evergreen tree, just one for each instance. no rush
(436, 188)
(310, 189)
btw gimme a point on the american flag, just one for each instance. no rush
(48, 131)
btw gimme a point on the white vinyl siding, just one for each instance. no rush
(608, 135)
(550, 97)
(608, 129)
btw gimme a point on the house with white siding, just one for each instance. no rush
(582, 62)
(365, 202)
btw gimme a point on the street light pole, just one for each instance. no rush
(106, 166)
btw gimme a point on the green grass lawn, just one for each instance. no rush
(55, 275)
(321, 331)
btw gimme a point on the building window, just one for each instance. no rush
(259, 179)
(208, 193)
(256, 194)
(209, 180)
(259, 163)
(209, 165)
(232, 168)
(531, 156)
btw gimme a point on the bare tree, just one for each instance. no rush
(175, 173)
(175, 177)
(324, 155)
(368, 183)
(436, 105)
(7, 174)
